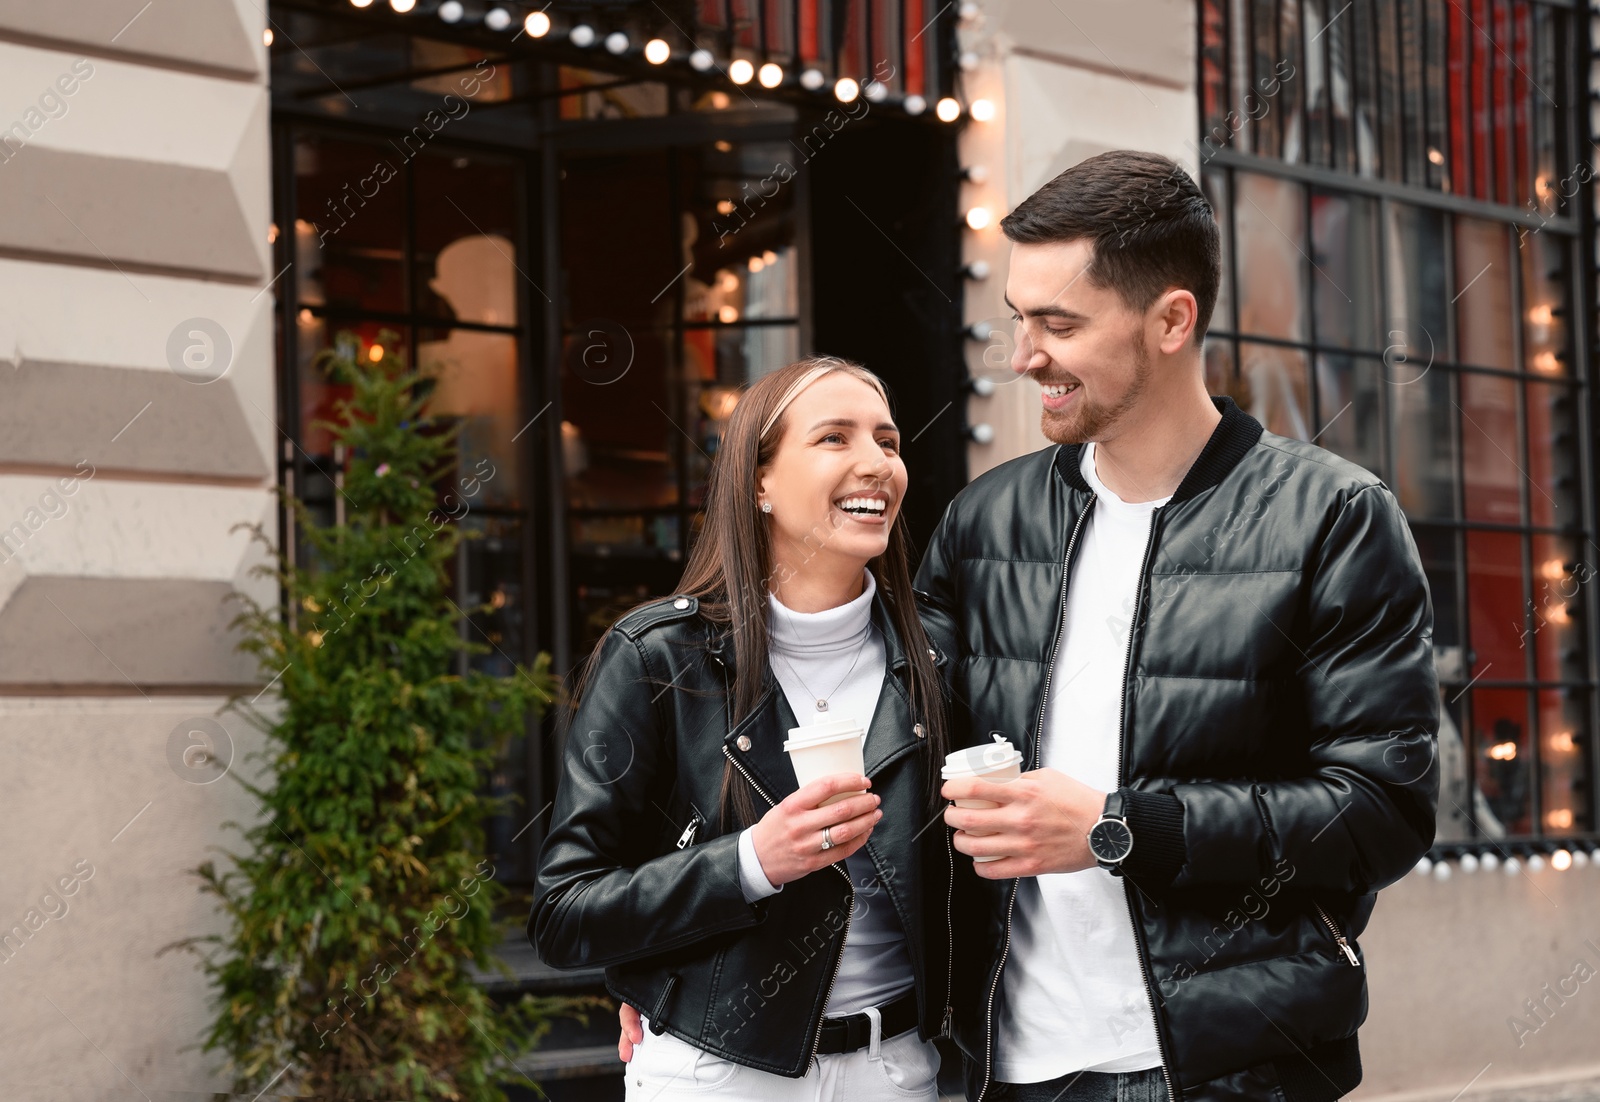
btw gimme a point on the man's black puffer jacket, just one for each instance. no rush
(638, 876)
(1280, 711)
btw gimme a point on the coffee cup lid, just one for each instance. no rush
(985, 758)
(823, 730)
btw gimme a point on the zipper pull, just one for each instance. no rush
(944, 1026)
(687, 836)
(1349, 953)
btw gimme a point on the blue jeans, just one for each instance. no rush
(1088, 1086)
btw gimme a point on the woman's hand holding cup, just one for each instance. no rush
(789, 837)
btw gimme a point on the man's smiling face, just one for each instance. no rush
(1081, 343)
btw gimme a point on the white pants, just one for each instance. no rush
(667, 1069)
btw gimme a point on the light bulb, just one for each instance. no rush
(537, 24)
(656, 51)
(582, 36)
(402, 6)
(1423, 867)
(266, 37)
(701, 60)
(1469, 862)
(978, 217)
(982, 109)
(976, 174)
(812, 79)
(947, 110)
(771, 75)
(498, 19)
(1561, 860)
(876, 91)
(451, 11)
(617, 43)
(846, 90)
(740, 71)
(914, 104)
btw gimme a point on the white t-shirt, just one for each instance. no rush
(1074, 997)
(838, 653)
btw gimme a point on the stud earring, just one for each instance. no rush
(766, 506)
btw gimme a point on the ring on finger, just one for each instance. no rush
(827, 838)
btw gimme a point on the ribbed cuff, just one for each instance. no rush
(1156, 821)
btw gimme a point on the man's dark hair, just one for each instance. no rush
(1149, 224)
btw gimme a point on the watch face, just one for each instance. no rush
(1110, 840)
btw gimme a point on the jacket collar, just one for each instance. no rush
(1234, 435)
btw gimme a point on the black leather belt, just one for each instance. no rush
(854, 1031)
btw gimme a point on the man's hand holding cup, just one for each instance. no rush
(1017, 824)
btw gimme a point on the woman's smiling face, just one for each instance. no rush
(836, 481)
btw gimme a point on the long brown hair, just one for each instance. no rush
(730, 566)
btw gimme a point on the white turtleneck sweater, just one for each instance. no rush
(812, 652)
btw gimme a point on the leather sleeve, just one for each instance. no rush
(1364, 813)
(601, 895)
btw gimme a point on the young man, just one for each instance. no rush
(1212, 646)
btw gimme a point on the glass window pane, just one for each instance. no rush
(1279, 388)
(1424, 441)
(1350, 416)
(466, 256)
(1556, 623)
(619, 456)
(1503, 761)
(622, 249)
(1553, 455)
(1221, 376)
(1414, 254)
(475, 380)
(1437, 549)
(1483, 294)
(1489, 446)
(349, 224)
(1496, 614)
(1215, 183)
(1344, 273)
(1563, 748)
(1546, 303)
(1455, 820)
(1270, 220)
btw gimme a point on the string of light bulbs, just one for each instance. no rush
(740, 70)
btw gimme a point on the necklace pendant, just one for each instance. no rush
(822, 705)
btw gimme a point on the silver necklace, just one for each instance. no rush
(822, 701)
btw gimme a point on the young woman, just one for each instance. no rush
(776, 948)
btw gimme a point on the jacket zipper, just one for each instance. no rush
(837, 866)
(1122, 734)
(687, 837)
(1338, 935)
(1011, 900)
(950, 937)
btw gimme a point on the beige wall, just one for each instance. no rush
(134, 198)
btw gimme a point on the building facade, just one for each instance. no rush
(589, 224)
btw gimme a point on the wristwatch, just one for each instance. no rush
(1111, 839)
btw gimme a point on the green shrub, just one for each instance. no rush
(359, 900)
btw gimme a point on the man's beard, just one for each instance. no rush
(1085, 420)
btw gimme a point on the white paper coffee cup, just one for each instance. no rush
(996, 761)
(827, 747)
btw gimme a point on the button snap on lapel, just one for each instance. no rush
(681, 603)
(918, 730)
(742, 742)
(932, 653)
